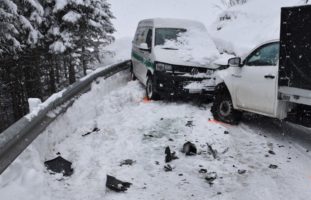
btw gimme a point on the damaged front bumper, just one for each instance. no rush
(170, 84)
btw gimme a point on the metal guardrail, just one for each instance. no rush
(15, 139)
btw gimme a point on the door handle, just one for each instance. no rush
(236, 76)
(269, 76)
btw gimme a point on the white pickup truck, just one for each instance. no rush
(274, 79)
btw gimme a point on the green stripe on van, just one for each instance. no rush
(147, 63)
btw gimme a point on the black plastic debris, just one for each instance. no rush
(117, 185)
(127, 162)
(189, 124)
(211, 151)
(148, 135)
(59, 165)
(203, 171)
(189, 149)
(271, 152)
(273, 166)
(226, 132)
(241, 171)
(211, 177)
(170, 155)
(226, 150)
(168, 168)
(93, 131)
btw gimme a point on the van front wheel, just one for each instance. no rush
(150, 89)
(223, 110)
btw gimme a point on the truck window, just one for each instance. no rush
(267, 55)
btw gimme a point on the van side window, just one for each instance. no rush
(136, 36)
(149, 38)
(143, 35)
(267, 55)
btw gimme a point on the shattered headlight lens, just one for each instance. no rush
(163, 67)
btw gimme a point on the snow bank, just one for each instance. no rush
(36, 106)
(27, 177)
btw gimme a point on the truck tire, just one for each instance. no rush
(223, 110)
(150, 90)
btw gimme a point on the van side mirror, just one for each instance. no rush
(235, 62)
(144, 47)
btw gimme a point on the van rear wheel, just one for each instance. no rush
(223, 110)
(150, 89)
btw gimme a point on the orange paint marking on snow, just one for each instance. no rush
(146, 100)
(214, 121)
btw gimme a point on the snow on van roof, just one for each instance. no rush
(172, 23)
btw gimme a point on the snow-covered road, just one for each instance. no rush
(132, 128)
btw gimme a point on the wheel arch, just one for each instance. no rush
(222, 87)
(149, 73)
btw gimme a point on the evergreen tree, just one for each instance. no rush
(44, 45)
(8, 30)
(83, 26)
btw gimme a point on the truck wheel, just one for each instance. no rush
(223, 110)
(150, 90)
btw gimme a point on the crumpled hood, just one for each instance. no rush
(180, 57)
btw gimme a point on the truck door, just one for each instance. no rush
(256, 84)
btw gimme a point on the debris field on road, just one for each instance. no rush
(139, 142)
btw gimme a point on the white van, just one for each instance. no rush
(167, 70)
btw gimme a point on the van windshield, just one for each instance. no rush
(163, 34)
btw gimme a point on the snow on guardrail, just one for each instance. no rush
(17, 137)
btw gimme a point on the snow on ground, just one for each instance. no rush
(131, 128)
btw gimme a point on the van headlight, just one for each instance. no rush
(163, 67)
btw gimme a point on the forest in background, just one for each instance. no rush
(46, 45)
